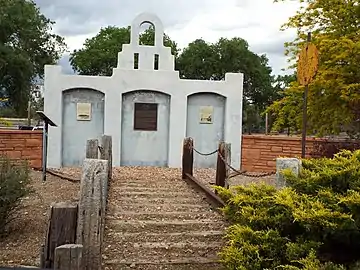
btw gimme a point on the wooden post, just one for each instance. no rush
(222, 170)
(188, 157)
(92, 148)
(106, 151)
(91, 221)
(220, 166)
(42, 256)
(227, 153)
(61, 230)
(68, 257)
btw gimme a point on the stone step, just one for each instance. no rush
(160, 223)
(145, 172)
(154, 189)
(171, 185)
(198, 236)
(150, 226)
(151, 179)
(157, 251)
(165, 216)
(173, 194)
(157, 205)
(186, 263)
(157, 201)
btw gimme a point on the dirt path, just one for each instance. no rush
(156, 221)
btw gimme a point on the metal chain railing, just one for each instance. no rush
(207, 154)
(243, 173)
(235, 171)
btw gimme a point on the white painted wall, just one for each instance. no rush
(145, 148)
(76, 133)
(206, 136)
(125, 79)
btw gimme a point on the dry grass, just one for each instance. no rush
(27, 232)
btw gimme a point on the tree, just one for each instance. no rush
(281, 83)
(205, 61)
(26, 45)
(99, 55)
(334, 95)
(198, 61)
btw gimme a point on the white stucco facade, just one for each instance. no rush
(127, 79)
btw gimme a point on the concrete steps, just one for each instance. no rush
(160, 223)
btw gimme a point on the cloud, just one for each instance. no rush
(65, 64)
(70, 13)
(257, 21)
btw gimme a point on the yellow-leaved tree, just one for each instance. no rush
(334, 95)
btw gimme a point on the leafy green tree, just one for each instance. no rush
(210, 61)
(252, 121)
(26, 45)
(198, 61)
(334, 95)
(281, 83)
(206, 61)
(99, 55)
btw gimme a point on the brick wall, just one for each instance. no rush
(259, 152)
(22, 144)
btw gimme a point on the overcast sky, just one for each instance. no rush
(257, 21)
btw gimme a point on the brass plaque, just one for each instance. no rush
(83, 111)
(206, 114)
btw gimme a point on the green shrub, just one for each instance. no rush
(311, 224)
(14, 185)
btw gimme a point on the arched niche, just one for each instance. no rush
(145, 126)
(205, 124)
(82, 119)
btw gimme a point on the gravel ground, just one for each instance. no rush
(205, 175)
(208, 176)
(22, 246)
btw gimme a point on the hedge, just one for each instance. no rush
(14, 186)
(313, 223)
